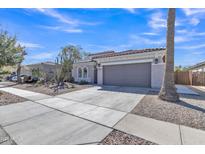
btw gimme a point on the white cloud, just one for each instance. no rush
(185, 35)
(194, 15)
(131, 10)
(51, 27)
(150, 33)
(64, 18)
(73, 30)
(198, 52)
(189, 33)
(69, 25)
(191, 47)
(194, 21)
(197, 34)
(133, 42)
(182, 31)
(179, 39)
(139, 40)
(189, 12)
(30, 45)
(157, 21)
(58, 16)
(42, 56)
(64, 29)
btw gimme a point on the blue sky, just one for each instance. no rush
(45, 31)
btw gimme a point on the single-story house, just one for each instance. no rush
(200, 67)
(47, 68)
(140, 68)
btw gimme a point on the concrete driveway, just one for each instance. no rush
(81, 117)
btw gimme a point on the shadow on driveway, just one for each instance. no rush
(135, 90)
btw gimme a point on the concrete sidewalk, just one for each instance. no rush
(7, 84)
(160, 132)
(25, 93)
(182, 89)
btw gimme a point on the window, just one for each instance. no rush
(80, 72)
(85, 72)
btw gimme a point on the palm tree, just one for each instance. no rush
(168, 89)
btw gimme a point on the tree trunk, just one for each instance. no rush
(18, 73)
(168, 89)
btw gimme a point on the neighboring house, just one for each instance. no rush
(48, 68)
(140, 68)
(200, 67)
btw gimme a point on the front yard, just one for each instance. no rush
(7, 98)
(48, 90)
(90, 109)
(190, 111)
(120, 138)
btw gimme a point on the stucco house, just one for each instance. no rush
(140, 68)
(200, 67)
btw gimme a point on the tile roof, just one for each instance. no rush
(197, 65)
(102, 53)
(127, 52)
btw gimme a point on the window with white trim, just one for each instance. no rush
(80, 72)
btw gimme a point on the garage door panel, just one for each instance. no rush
(128, 75)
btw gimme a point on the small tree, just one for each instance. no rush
(180, 68)
(11, 52)
(64, 64)
(37, 73)
(40, 75)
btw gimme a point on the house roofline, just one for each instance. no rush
(129, 52)
(47, 63)
(197, 65)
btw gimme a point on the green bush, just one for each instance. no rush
(82, 82)
(4, 72)
(72, 80)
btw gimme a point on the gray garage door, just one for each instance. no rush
(128, 75)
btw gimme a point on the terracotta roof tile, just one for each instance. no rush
(102, 53)
(127, 52)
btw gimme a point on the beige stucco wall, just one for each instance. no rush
(99, 75)
(91, 67)
(157, 75)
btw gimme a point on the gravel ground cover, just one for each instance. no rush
(7, 98)
(121, 138)
(190, 111)
(46, 90)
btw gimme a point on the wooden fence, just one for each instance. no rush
(190, 78)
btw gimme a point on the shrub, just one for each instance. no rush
(82, 82)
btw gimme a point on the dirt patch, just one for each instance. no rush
(121, 138)
(48, 91)
(190, 111)
(7, 98)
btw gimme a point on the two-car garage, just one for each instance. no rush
(137, 74)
